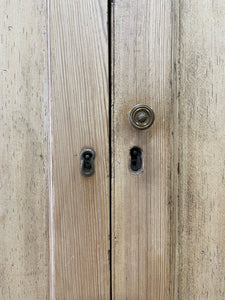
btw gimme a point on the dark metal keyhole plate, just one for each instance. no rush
(136, 161)
(87, 156)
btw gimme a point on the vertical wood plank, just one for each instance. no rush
(141, 203)
(23, 150)
(201, 239)
(79, 65)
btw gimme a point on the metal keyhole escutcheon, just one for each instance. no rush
(87, 156)
(142, 116)
(136, 160)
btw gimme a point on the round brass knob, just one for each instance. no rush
(142, 116)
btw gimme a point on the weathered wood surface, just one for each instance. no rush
(79, 68)
(23, 151)
(201, 207)
(167, 222)
(141, 203)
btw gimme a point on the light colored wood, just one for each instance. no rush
(141, 203)
(167, 222)
(201, 210)
(79, 68)
(23, 150)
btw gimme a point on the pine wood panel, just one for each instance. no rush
(201, 209)
(23, 151)
(141, 203)
(79, 68)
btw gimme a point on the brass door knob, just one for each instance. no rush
(142, 116)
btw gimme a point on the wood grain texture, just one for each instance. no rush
(141, 203)
(23, 151)
(79, 66)
(201, 209)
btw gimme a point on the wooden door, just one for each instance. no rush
(71, 71)
(80, 118)
(141, 203)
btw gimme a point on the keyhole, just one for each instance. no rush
(87, 162)
(136, 164)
